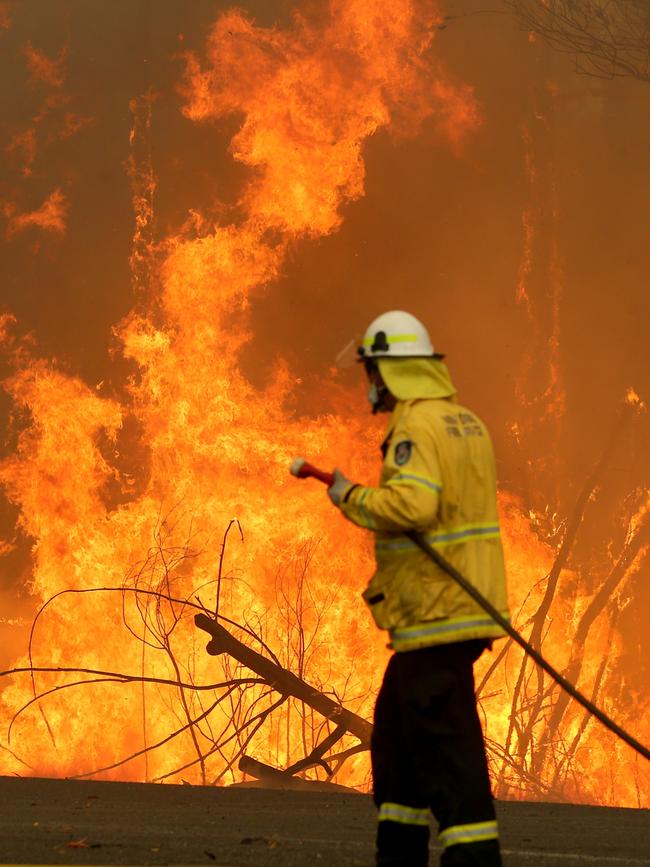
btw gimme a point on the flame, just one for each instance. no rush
(5, 16)
(24, 144)
(50, 216)
(43, 69)
(633, 399)
(209, 446)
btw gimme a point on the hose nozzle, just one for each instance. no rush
(302, 469)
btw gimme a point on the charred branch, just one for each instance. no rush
(316, 755)
(261, 771)
(282, 680)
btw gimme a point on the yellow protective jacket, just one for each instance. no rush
(438, 478)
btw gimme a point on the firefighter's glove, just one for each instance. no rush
(339, 488)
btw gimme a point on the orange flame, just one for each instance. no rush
(44, 69)
(50, 217)
(5, 16)
(24, 143)
(633, 399)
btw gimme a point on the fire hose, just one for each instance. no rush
(301, 469)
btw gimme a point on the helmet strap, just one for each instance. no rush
(377, 395)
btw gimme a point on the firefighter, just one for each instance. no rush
(438, 478)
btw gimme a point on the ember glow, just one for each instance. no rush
(209, 450)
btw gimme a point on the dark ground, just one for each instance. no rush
(69, 822)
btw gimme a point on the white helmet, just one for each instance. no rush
(396, 334)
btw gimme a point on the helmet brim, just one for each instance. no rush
(363, 356)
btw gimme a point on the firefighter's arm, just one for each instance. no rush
(408, 500)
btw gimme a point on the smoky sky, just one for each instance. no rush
(439, 231)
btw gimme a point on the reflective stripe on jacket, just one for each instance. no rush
(438, 478)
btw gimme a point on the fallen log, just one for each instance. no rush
(272, 778)
(282, 680)
(261, 771)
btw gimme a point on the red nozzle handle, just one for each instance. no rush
(302, 469)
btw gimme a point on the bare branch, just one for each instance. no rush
(609, 38)
(111, 677)
(221, 558)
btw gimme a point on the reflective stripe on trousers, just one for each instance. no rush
(404, 814)
(472, 833)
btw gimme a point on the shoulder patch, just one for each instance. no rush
(403, 452)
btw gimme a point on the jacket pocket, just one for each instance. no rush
(404, 599)
(380, 597)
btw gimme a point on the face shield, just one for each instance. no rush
(349, 354)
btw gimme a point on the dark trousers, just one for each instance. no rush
(428, 755)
